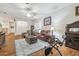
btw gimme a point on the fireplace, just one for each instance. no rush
(72, 35)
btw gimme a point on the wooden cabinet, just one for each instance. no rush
(72, 37)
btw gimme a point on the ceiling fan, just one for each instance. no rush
(30, 11)
(29, 7)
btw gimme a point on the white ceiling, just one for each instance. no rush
(18, 10)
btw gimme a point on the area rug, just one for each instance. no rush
(24, 49)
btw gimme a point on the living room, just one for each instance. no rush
(22, 26)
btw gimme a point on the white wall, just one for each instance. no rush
(60, 18)
(22, 26)
(38, 24)
(4, 20)
(63, 17)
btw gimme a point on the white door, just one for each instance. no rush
(21, 26)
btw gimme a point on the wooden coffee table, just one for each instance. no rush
(31, 39)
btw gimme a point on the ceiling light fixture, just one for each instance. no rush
(30, 11)
(28, 15)
(29, 7)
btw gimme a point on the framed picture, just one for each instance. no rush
(77, 11)
(47, 21)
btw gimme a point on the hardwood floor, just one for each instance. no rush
(18, 37)
(64, 50)
(9, 49)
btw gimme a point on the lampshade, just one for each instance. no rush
(52, 28)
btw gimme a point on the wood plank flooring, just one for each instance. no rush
(9, 49)
(64, 50)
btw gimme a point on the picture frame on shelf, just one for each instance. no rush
(47, 21)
